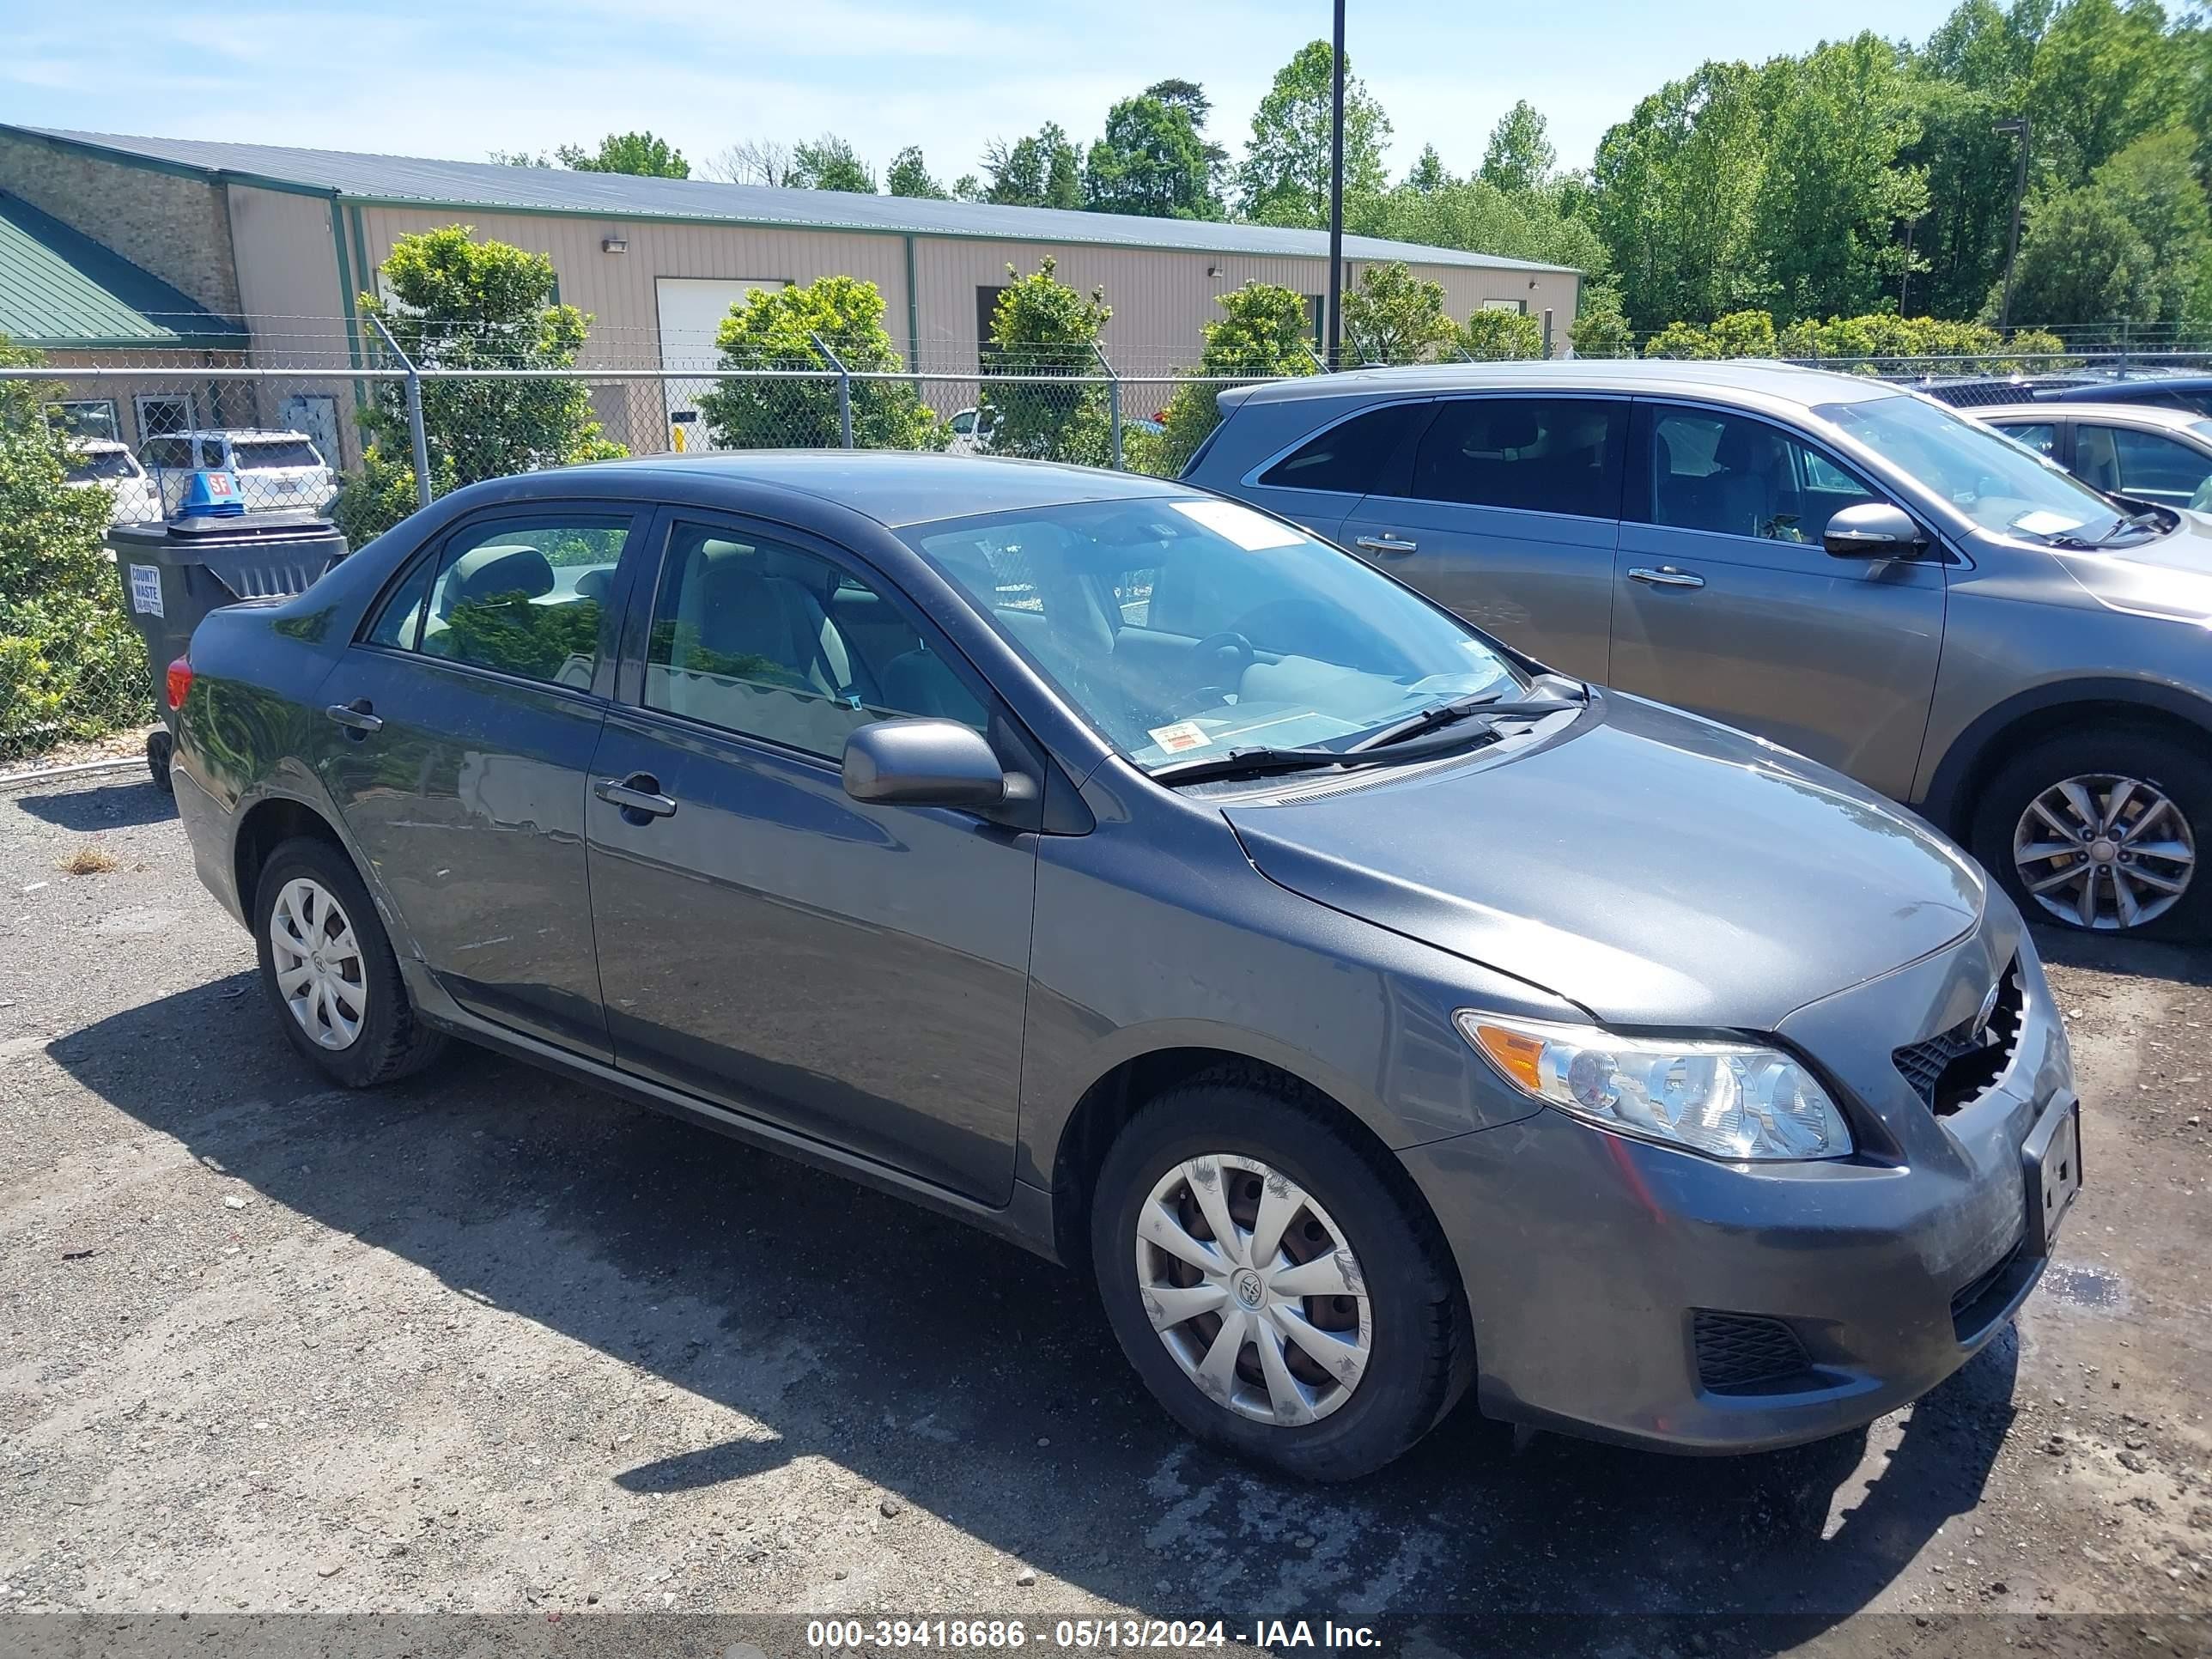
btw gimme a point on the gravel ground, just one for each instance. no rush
(492, 1342)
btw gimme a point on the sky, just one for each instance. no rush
(460, 78)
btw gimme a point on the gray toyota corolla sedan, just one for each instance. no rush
(1115, 867)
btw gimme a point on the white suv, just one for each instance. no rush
(276, 471)
(104, 464)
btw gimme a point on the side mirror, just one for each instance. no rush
(922, 762)
(1873, 530)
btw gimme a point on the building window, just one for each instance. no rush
(1314, 315)
(1518, 307)
(88, 417)
(161, 413)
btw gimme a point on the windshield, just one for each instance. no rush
(1183, 628)
(263, 455)
(84, 468)
(1999, 483)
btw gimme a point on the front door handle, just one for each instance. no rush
(1386, 543)
(1665, 576)
(357, 717)
(638, 795)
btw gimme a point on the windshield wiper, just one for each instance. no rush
(1254, 761)
(2148, 519)
(1486, 707)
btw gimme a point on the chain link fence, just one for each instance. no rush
(312, 412)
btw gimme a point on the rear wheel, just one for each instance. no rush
(328, 969)
(160, 747)
(1279, 1293)
(2101, 830)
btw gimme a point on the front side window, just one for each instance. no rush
(2144, 464)
(1533, 454)
(1182, 629)
(775, 643)
(1997, 485)
(1350, 456)
(522, 596)
(1735, 476)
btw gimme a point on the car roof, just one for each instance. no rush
(1785, 382)
(2089, 388)
(233, 433)
(893, 487)
(2141, 415)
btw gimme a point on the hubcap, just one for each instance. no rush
(1254, 1288)
(320, 972)
(2104, 851)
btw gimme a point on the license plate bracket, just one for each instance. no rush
(2051, 1160)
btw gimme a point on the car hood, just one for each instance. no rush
(2170, 577)
(1651, 866)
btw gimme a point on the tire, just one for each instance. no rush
(159, 748)
(1408, 1305)
(2097, 761)
(360, 988)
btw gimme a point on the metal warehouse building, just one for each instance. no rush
(282, 239)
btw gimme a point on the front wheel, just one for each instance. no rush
(2099, 830)
(1280, 1295)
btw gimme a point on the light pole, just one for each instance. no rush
(1336, 193)
(2018, 125)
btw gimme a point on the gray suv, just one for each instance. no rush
(1851, 570)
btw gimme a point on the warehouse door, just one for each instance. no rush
(691, 311)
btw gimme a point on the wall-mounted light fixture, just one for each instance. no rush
(1214, 270)
(1532, 281)
(621, 245)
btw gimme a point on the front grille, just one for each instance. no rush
(1951, 1069)
(1737, 1352)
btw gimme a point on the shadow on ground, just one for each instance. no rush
(914, 1318)
(116, 807)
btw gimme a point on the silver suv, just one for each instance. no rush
(1852, 570)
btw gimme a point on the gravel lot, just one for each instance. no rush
(493, 1342)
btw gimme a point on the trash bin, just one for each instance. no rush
(175, 573)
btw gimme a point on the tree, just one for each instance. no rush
(2104, 74)
(1519, 156)
(70, 667)
(1190, 97)
(638, 153)
(909, 175)
(1428, 174)
(969, 188)
(2153, 185)
(1441, 211)
(1043, 327)
(1042, 170)
(518, 158)
(1152, 162)
(455, 302)
(776, 327)
(1395, 317)
(753, 161)
(1285, 177)
(1493, 336)
(1263, 333)
(2080, 261)
(831, 164)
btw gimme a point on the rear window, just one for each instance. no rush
(108, 464)
(1350, 456)
(169, 452)
(263, 455)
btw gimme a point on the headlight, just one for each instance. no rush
(1730, 1100)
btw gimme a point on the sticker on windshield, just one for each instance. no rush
(1183, 734)
(1252, 531)
(2043, 522)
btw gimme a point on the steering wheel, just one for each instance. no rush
(1228, 655)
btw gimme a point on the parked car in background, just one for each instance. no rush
(2150, 388)
(2139, 450)
(1126, 872)
(1852, 570)
(971, 432)
(104, 464)
(277, 472)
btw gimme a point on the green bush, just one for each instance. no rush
(775, 328)
(1395, 317)
(71, 665)
(1043, 327)
(1600, 329)
(1502, 336)
(1263, 334)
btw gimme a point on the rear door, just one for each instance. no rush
(857, 973)
(1726, 603)
(1508, 514)
(2150, 466)
(459, 732)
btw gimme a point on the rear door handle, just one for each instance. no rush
(355, 717)
(1386, 544)
(638, 795)
(1665, 576)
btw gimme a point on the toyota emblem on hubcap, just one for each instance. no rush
(1250, 1290)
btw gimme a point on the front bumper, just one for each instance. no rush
(1587, 1256)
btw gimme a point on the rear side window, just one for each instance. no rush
(1532, 454)
(523, 596)
(1350, 456)
(2041, 437)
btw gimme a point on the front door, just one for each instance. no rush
(459, 730)
(857, 973)
(1508, 516)
(1726, 603)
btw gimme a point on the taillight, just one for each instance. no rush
(181, 682)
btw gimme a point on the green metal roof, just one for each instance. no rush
(60, 288)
